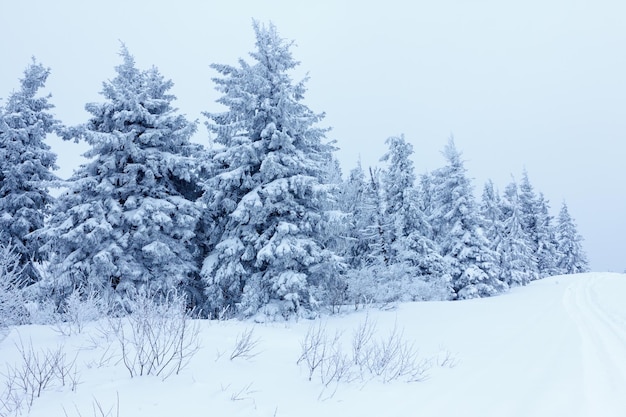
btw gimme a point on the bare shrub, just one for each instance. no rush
(11, 400)
(336, 367)
(245, 345)
(361, 340)
(389, 358)
(98, 410)
(80, 308)
(315, 347)
(446, 359)
(36, 372)
(158, 336)
(325, 355)
(105, 358)
(393, 357)
(245, 393)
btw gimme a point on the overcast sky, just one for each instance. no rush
(538, 84)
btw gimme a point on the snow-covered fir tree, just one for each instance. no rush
(457, 232)
(367, 257)
(425, 196)
(380, 252)
(491, 215)
(332, 292)
(26, 167)
(537, 225)
(332, 236)
(529, 211)
(517, 260)
(547, 255)
(408, 232)
(359, 202)
(571, 256)
(398, 182)
(267, 197)
(423, 255)
(492, 219)
(128, 217)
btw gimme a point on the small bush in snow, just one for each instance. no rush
(315, 347)
(336, 367)
(361, 340)
(78, 309)
(99, 411)
(36, 372)
(446, 359)
(393, 357)
(158, 336)
(41, 312)
(245, 345)
(245, 393)
(389, 358)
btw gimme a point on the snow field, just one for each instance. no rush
(555, 347)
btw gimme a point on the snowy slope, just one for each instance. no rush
(554, 348)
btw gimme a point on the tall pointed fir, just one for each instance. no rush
(380, 252)
(537, 223)
(407, 229)
(571, 256)
(371, 276)
(456, 229)
(398, 182)
(491, 215)
(531, 223)
(127, 219)
(267, 197)
(360, 204)
(547, 255)
(26, 168)
(518, 263)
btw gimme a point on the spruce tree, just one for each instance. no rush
(398, 182)
(407, 231)
(547, 255)
(268, 193)
(380, 252)
(529, 211)
(370, 271)
(422, 254)
(358, 202)
(518, 263)
(128, 217)
(571, 256)
(491, 215)
(26, 164)
(537, 223)
(492, 221)
(456, 229)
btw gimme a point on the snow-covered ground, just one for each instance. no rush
(554, 348)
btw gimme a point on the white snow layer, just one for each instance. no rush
(554, 348)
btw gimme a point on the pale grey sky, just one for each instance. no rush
(539, 84)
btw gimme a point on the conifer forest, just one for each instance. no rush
(259, 221)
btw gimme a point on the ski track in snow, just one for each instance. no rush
(603, 344)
